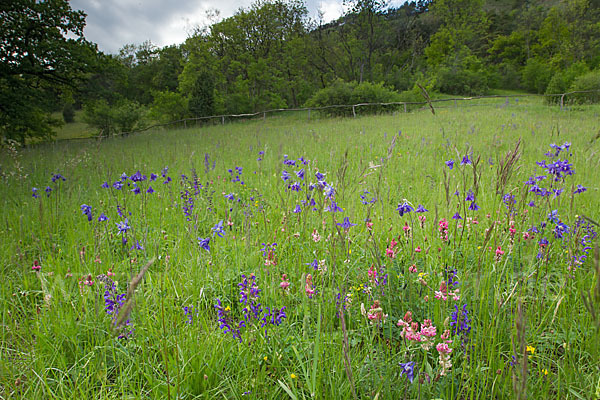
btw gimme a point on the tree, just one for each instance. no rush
(43, 56)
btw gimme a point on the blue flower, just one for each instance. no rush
(102, 218)
(404, 208)
(105, 185)
(56, 177)
(117, 185)
(87, 211)
(136, 189)
(48, 190)
(421, 209)
(334, 207)
(285, 175)
(346, 224)
(473, 206)
(450, 164)
(580, 189)
(465, 160)
(408, 369)
(123, 226)
(297, 209)
(300, 174)
(456, 216)
(218, 229)
(150, 190)
(204, 243)
(34, 192)
(470, 196)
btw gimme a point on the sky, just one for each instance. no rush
(114, 23)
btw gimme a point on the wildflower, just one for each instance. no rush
(34, 192)
(118, 185)
(421, 209)
(87, 211)
(297, 209)
(315, 236)
(530, 349)
(204, 243)
(36, 266)
(470, 196)
(375, 313)
(444, 357)
(404, 208)
(284, 285)
(102, 218)
(473, 206)
(308, 287)
(465, 160)
(48, 190)
(408, 370)
(136, 189)
(346, 224)
(300, 173)
(188, 312)
(150, 190)
(580, 189)
(123, 226)
(285, 175)
(450, 164)
(456, 216)
(293, 376)
(334, 207)
(499, 253)
(57, 177)
(218, 229)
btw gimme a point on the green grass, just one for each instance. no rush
(57, 341)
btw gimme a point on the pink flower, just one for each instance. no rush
(110, 273)
(499, 253)
(36, 266)
(418, 249)
(412, 269)
(443, 348)
(308, 287)
(315, 236)
(372, 273)
(284, 283)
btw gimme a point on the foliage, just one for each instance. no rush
(562, 80)
(586, 82)
(122, 117)
(349, 93)
(43, 54)
(169, 106)
(536, 75)
(68, 113)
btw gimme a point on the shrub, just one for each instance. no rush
(536, 75)
(68, 113)
(589, 81)
(562, 80)
(348, 93)
(125, 116)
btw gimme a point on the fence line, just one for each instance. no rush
(405, 104)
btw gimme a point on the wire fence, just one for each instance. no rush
(405, 106)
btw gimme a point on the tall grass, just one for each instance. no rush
(526, 333)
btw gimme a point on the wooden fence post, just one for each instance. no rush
(353, 112)
(223, 120)
(309, 114)
(405, 107)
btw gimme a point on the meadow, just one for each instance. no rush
(403, 256)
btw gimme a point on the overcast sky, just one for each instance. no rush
(114, 23)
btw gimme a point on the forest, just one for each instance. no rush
(272, 55)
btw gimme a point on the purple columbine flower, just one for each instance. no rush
(421, 209)
(346, 224)
(48, 190)
(450, 164)
(105, 185)
(300, 173)
(297, 209)
(34, 192)
(56, 177)
(118, 185)
(204, 243)
(218, 229)
(87, 211)
(473, 206)
(153, 177)
(285, 175)
(334, 207)
(465, 160)
(580, 189)
(123, 226)
(408, 369)
(470, 196)
(456, 216)
(102, 218)
(404, 208)
(136, 190)
(150, 190)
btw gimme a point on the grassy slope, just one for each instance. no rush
(61, 346)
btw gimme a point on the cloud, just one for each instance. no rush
(114, 23)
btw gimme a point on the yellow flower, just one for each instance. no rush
(531, 349)
(265, 358)
(293, 376)
(545, 371)
(227, 308)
